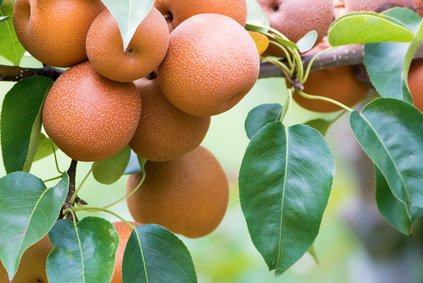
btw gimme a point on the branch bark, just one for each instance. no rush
(72, 181)
(350, 55)
(15, 73)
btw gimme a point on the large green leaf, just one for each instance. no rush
(10, 47)
(129, 14)
(28, 210)
(110, 170)
(385, 61)
(153, 254)
(363, 28)
(83, 252)
(260, 116)
(285, 181)
(393, 210)
(391, 133)
(21, 122)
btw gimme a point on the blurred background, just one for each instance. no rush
(354, 245)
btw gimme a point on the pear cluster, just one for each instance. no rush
(185, 63)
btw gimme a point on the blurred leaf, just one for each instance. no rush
(312, 252)
(10, 47)
(255, 14)
(286, 42)
(307, 42)
(134, 165)
(4, 18)
(260, 116)
(110, 170)
(321, 125)
(44, 148)
(21, 122)
(261, 41)
(369, 27)
(285, 181)
(129, 14)
(393, 210)
(83, 252)
(28, 210)
(153, 254)
(385, 61)
(391, 133)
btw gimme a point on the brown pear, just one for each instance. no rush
(124, 232)
(188, 195)
(164, 131)
(337, 83)
(53, 31)
(90, 117)
(373, 5)
(144, 54)
(415, 82)
(211, 64)
(177, 11)
(295, 18)
(32, 268)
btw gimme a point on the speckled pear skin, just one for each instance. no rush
(188, 195)
(415, 81)
(124, 232)
(295, 18)
(372, 5)
(53, 31)
(144, 54)
(182, 10)
(32, 268)
(211, 64)
(90, 117)
(165, 132)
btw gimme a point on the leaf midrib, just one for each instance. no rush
(391, 158)
(283, 196)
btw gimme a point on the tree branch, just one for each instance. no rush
(349, 55)
(15, 73)
(72, 180)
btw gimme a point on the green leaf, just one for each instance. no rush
(153, 254)
(44, 148)
(286, 42)
(285, 181)
(10, 47)
(307, 42)
(393, 210)
(134, 165)
(21, 122)
(129, 14)
(28, 210)
(260, 116)
(4, 18)
(322, 125)
(110, 170)
(391, 133)
(364, 28)
(385, 61)
(83, 252)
